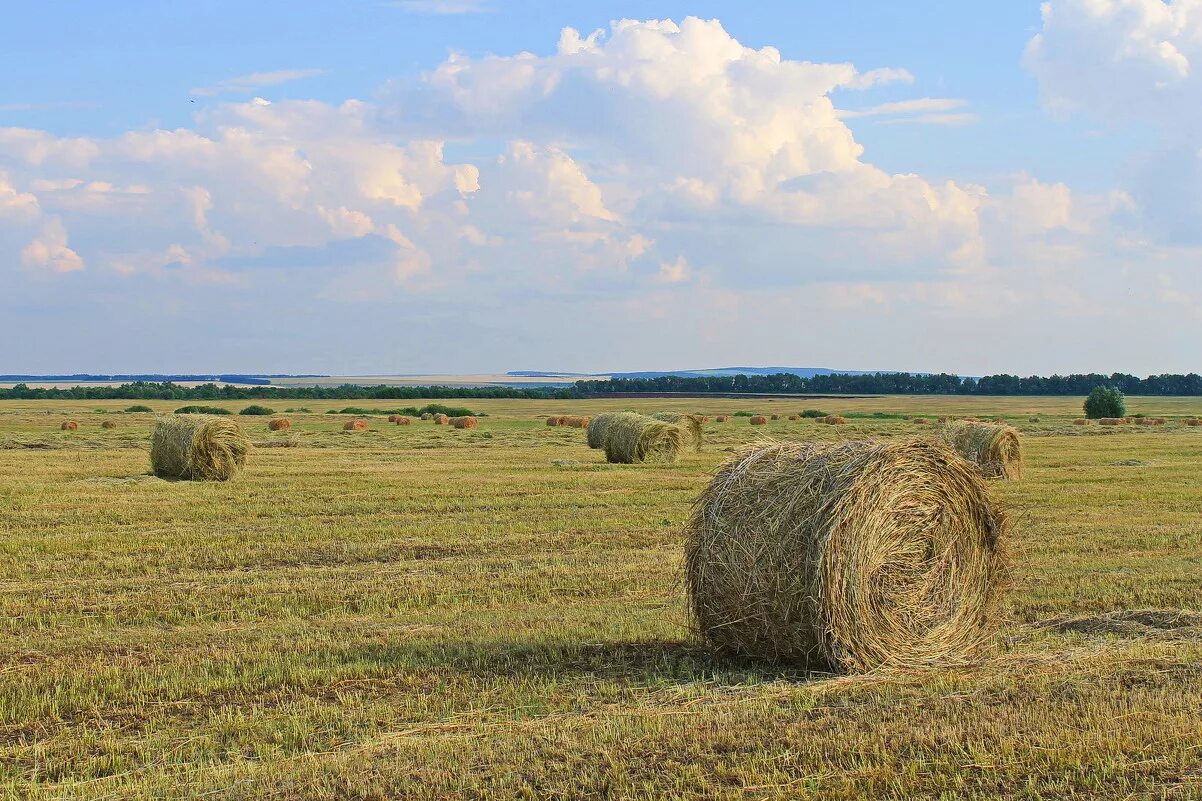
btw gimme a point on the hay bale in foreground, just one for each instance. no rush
(108, 425)
(69, 425)
(996, 450)
(598, 427)
(465, 422)
(195, 447)
(690, 423)
(355, 425)
(634, 438)
(279, 424)
(846, 557)
(758, 420)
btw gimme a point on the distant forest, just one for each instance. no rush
(777, 384)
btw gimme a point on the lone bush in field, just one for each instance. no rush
(261, 411)
(202, 410)
(139, 408)
(1105, 402)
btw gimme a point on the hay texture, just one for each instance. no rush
(690, 423)
(69, 425)
(355, 425)
(598, 427)
(197, 448)
(758, 420)
(279, 424)
(995, 449)
(634, 438)
(465, 422)
(108, 425)
(846, 557)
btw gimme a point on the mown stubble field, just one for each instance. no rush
(426, 613)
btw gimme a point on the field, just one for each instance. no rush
(425, 613)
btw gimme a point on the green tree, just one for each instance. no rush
(1105, 402)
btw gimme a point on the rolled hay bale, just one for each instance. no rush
(634, 438)
(355, 425)
(402, 420)
(427, 416)
(1144, 421)
(465, 422)
(996, 450)
(195, 447)
(108, 425)
(795, 417)
(758, 420)
(1032, 419)
(441, 419)
(722, 418)
(1193, 421)
(598, 428)
(1111, 421)
(553, 420)
(583, 422)
(691, 423)
(279, 424)
(775, 417)
(392, 418)
(1159, 421)
(69, 425)
(833, 420)
(847, 557)
(1080, 421)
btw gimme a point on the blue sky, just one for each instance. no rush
(369, 187)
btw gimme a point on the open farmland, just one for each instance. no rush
(423, 612)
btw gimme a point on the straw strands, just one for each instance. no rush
(995, 449)
(634, 438)
(197, 448)
(847, 556)
(690, 423)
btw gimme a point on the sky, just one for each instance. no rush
(466, 186)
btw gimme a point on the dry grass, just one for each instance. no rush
(632, 438)
(920, 421)
(847, 557)
(193, 447)
(995, 449)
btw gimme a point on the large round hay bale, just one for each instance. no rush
(355, 425)
(634, 438)
(402, 420)
(465, 422)
(847, 556)
(996, 450)
(279, 424)
(599, 426)
(108, 425)
(758, 420)
(690, 423)
(69, 425)
(195, 447)
(441, 419)
(427, 416)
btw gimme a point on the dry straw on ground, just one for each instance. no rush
(776, 417)
(355, 425)
(690, 423)
(465, 422)
(279, 424)
(69, 425)
(634, 438)
(195, 447)
(598, 427)
(995, 449)
(108, 425)
(846, 557)
(758, 420)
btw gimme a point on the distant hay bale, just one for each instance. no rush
(554, 420)
(758, 420)
(108, 425)
(402, 420)
(392, 418)
(722, 418)
(427, 416)
(1111, 421)
(1080, 421)
(355, 425)
(846, 557)
(691, 423)
(920, 421)
(833, 420)
(69, 425)
(598, 427)
(465, 422)
(1032, 419)
(575, 422)
(1159, 421)
(1144, 421)
(775, 417)
(194, 447)
(996, 450)
(634, 438)
(1193, 421)
(795, 417)
(279, 424)
(441, 419)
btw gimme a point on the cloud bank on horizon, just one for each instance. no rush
(640, 196)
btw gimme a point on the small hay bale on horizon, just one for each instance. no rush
(833, 420)
(69, 425)
(108, 425)
(996, 450)
(196, 447)
(355, 425)
(464, 422)
(758, 420)
(847, 557)
(576, 422)
(795, 417)
(632, 438)
(279, 424)
(690, 423)
(775, 417)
